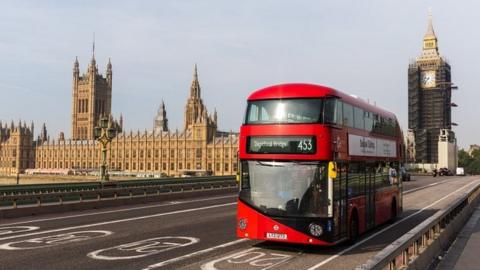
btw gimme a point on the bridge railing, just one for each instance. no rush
(65, 187)
(60, 194)
(419, 247)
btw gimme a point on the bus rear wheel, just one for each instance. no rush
(393, 212)
(353, 230)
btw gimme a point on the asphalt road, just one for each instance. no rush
(198, 233)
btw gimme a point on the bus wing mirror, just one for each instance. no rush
(332, 170)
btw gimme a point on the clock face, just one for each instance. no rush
(428, 79)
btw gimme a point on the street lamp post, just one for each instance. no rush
(104, 134)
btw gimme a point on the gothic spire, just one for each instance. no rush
(92, 62)
(43, 133)
(160, 123)
(93, 46)
(430, 32)
(195, 88)
(430, 42)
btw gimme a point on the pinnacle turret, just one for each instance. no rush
(195, 88)
(160, 123)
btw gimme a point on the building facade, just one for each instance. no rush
(17, 148)
(199, 147)
(429, 100)
(91, 99)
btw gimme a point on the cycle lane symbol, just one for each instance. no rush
(247, 259)
(16, 229)
(143, 248)
(54, 240)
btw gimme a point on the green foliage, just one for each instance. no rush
(471, 163)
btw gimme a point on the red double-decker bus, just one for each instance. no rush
(317, 166)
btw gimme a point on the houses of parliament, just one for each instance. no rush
(199, 146)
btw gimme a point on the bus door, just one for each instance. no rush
(370, 196)
(340, 201)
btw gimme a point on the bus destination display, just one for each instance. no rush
(281, 145)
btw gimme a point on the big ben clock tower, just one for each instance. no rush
(429, 99)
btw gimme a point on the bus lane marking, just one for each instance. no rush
(120, 220)
(17, 229)
(253, 257)
(320, 264)
(142, 248)
(193, 254)
(54, 240)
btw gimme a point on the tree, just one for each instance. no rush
(464, 159)
(471, 163)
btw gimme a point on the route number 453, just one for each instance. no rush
(305, 145)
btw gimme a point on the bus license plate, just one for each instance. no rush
(280, 236)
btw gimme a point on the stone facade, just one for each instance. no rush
(17, 148)
(91, 98)
(199, 147)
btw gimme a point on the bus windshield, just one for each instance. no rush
(274, 111)
(285, 188)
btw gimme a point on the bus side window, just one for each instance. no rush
(359, 118)
(339, 112)
(381, 176)
(347, 115)
(368, 121)
(356, 179)
(329, 115)
(333, 111)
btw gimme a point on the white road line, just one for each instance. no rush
(386, 228)
(203, 251)
(119, 210)
(121, 220)
(427, 186)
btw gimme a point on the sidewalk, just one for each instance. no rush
(465, 251)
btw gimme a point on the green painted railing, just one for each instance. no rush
(83, 186)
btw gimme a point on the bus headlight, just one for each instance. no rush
(315, 229)
(242, 223)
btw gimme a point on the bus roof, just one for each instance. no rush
(305, 90)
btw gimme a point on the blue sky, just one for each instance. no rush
(359, 47)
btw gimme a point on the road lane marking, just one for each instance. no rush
(54, 240)
(17, 229)
(196, 253)
(142, 248)
(120, 220)
(320, 264)
(120, 210)
(252, 257)
(423, 187)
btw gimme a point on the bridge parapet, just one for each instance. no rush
(419, 247)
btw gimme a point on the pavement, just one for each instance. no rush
(464, 252)
(196, 233)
